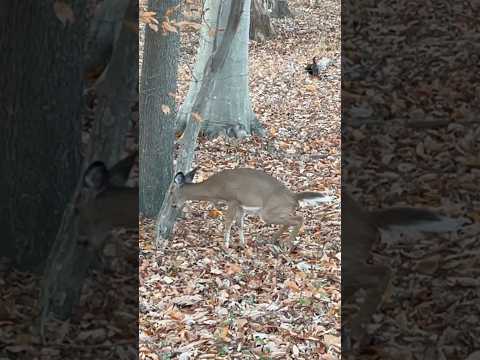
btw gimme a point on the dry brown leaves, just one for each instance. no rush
(428, 159)
(257, 303)
(102, 323)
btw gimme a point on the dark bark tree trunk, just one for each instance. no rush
(70, 258)
(157, 111)
(117, 94)
(40, 129)
(260, 25)
(167, 215)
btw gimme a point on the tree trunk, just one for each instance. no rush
(279, 8)
(157, 111)
(221, 51)
(103, 35)
(260, 26)
(228, 105)
(70, 259)
(86, 225)
(117, 94)
(40, 129)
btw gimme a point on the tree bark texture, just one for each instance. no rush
(260, 25)
(117, 94)
(228, 104)
(103, 35)
(278, 8)
(167, 215)
(71, 258)
(40, 106)
(157, 111)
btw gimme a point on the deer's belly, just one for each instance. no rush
(251, 209)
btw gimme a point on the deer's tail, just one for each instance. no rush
(415, 219)
(309, 198)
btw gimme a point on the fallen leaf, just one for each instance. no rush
(154, 27)
(232, 269)
(241, 323)
(187, 300)
(214, 213)
(168, 27)
(429, 265)
(176, 314)
(168, 280)
(292, 285)
(64, 12)
(223, 333)
(331, 340)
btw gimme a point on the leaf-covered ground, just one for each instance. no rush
(413, 139)
(204, 302)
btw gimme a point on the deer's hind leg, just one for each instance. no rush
(284, 217)
(374, 279)
(279, 233)
(241, 220)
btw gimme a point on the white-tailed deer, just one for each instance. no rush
(247, 190)
(360, 230)
(100, 203)
(107, 202)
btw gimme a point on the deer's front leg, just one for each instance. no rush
(241, 217)
(230, 214)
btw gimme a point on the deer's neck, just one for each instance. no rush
(199, 191)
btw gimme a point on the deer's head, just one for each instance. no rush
(107, 202)
(180, 182)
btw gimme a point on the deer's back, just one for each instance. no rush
(248, 186)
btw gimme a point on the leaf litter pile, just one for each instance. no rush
(203, 302)
(429, 158)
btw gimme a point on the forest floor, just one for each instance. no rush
(204, 302)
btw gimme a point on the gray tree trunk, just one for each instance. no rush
(40, 130)
(260, 25)
(157, 128)
(70, 259)
(278, 8)
(228, 105)
(117, 94)
(103, 34)
(221, 51)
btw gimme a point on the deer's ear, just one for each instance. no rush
(96, 176)
(179, 179)
(120, 172)
(189, 177)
